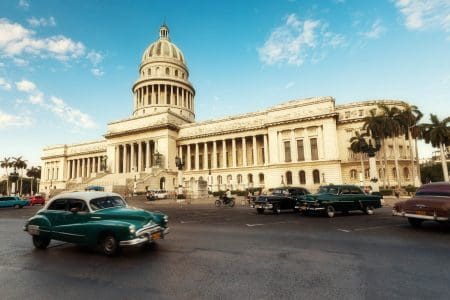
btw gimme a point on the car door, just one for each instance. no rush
(73, 224)
(55, 214)
(345, 199)
(4, 201)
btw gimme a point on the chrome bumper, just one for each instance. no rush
(145, 239)
(415, 216)
(265, 206)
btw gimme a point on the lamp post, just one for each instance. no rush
(157, 157)
(180, 165)
(371, 152)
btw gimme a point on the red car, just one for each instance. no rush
(37, 199)
(430, 203)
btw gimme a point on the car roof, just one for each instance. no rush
(84, 195)
(442, 185)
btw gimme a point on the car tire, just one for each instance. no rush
(276, 209)
(368, 210)
(218, 203)
(260, 210)
(109, 245)
(330, 211)
(40, 242)
(416, 223)
(17, 206)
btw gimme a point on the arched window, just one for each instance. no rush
(353, 174)
(149, 71)
(176, 73)
(162, 183)
(261, 178)
(394, 172)
(167, 71)
(406, 172)
(250, 178)
(288, 177)
(219, 179)
(239, 179)
(229, 178)
(302, 177)
(316, 176)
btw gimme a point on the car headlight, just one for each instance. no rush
(166, 219)
(132, 228)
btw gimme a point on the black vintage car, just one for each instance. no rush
(282, 198)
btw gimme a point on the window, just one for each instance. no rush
(367, 174)
(229, 179)
(394, 172)
(167, 71)
(406, 173)
(356, 190)
(288, 177)
(107, 202)
(176, 73)
(149, 71)
(300, 151)
(80, 205)
(250, 178)
(316, 176)
(353, 174)
(59, 204)
(287, 151)
(314, 150)
(219, 179)
(261, 178)
(302, 177)
(239, 179)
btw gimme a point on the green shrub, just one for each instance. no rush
(387, 192)
(410, 189)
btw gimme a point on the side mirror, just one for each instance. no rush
(74, 210)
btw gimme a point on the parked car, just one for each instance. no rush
(344, 198)
(95, 219)
(430, 203)
(13, 201)
(160, 194)
(36, 199)
(281, 198)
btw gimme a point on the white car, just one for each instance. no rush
(160, 194)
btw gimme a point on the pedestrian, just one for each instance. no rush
(397, 192)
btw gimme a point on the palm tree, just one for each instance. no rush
(373, 124)
(34, 173)
(6, 163)
(438, 134)
(392, 129)
(409, 117)
(358, 144)
(21, 165)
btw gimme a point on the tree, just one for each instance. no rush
(34, 173)
(438, 134)
(358, 144)
(409, 117)
(6, 163)
(21, 165)
(17, 163)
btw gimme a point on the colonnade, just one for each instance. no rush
(226, 153)
(163, 94)
(83, 167)
(135, 156)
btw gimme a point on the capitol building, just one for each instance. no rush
(161, 146)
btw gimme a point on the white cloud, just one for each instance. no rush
(37, 98)
(20, 62)
(41, 22)
(424, 14)
(70, 114)
(16, 40)
(291, 42)
(4, 85)
(97, 72)
(375, 31)
(24, 4)
(8, 120)
(25, 86)
(95, 57)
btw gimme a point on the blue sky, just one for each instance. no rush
(67, 67)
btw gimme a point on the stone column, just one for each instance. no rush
(147, 155)
(255, 151)
(197, 154)
(233, 152)
(214, 156)
(132, 162)
(88, 173)
(139, 164)
(244, 152)
(99, 163)
(294, 154)
(320, 143)
(205, 156)
(266, 150)
(83, 167)
(307, 148)
(224, 154)
(124, 158)
(188, 157)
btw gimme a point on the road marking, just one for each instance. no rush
(185, 222)
(344, 230)
(251, 225)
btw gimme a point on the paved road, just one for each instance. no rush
(233, 253)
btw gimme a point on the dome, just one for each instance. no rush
(163, 48)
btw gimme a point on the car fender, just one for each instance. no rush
(38, 225)
(120, 229)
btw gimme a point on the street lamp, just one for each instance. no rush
(180, 165)
(371, 152)
(157, 157)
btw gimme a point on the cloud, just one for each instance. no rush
(16, 40)
(70, 114)
(375, 31)
(4, 85)
(97, 72)
(292, 42)
(95, 57)
(7, 120)
(425, 14)
(25, 86)
(41, 22)
(24, 4)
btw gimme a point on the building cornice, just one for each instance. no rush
(142, 129)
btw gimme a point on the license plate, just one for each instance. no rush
(421, 212)
(156, 236)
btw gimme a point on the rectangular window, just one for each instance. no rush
(287, 151)
(314, 150)
(300, 150)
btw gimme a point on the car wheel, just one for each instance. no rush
(40, 242)
(17, 206)
(416, 223)
(109, 245)
(369, 210)
(330, 211)
(218, 203)
(260, 210)
(276, 209)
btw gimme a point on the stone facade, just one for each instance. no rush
(301, 142)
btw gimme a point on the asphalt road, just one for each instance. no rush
(233, 253)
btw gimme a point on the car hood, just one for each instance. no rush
(138, 215)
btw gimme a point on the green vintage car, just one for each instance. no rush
(344, 198)
(95, 219)
(13, 201)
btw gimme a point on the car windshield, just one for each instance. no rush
(280, 192)
(433, 193)
(107, 202)
(328, 190)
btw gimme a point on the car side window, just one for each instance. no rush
(59, 204)
(356, 190)
(78, 204)
(345, 191)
